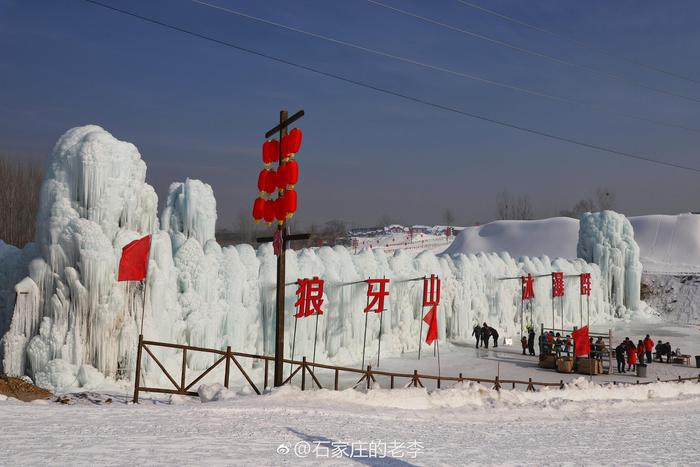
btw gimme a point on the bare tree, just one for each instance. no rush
(581, 207)
(20, 186)
(509, 207)
(605, 199)
(449, 218)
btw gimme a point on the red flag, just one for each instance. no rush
(582, 345)
(133, 264)
(527, 286)
(431, 320)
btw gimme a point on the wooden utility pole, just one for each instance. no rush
(281, 237)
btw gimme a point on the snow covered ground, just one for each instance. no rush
(469, 424)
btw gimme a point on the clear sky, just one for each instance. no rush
(196, 109)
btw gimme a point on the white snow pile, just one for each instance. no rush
(214, 393)
(575, 396)
(66, 321)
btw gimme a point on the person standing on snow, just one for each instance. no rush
(523, 342)
(640, 352)
(494, 334)
(631, 356)
(620, 351)
(531, 341)
(648, 347)
(485, 334)
(477, 334)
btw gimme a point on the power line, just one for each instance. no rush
(394, 93)
(508, 45)
(578, 42)
(491, 82)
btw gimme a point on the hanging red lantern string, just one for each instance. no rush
(271, 182)
(294, 142)
(269, 211)
(258, 209)
(290, 202)
(262, 181)
(291, 173)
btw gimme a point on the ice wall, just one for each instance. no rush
(69, 323)
(607, 239)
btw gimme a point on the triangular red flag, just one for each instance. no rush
(582, 345)
(133, 263)
(431, 320)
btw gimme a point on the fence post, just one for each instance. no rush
(497, 385)
(561, 384)
(228, 366)
(415, 378)
(369, 372)
(530, 386)
(303, 373)
(460, 378)
(335, 385)
(184, 370)
(137, 379)
(392, 381)
(265, 380)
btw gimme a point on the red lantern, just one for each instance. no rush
(258, 209)
(280, 211)
(269, 211)
(271, 151)
(282, 177)
(290, 202)
(291, 173)
(294, 141)
(271, 182)
(262, 181)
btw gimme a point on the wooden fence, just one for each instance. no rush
(367, 377)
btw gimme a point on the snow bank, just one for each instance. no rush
(576, 395)
(214, 393)
(75, 316)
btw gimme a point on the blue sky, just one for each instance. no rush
(196, 109)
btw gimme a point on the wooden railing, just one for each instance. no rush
(367, 377)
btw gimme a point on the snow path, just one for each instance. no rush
(553, 428)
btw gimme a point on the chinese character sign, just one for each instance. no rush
(376, 296)
(527, 286)
(309, 297)
(431, 291)
(557, 284)
(585, 283)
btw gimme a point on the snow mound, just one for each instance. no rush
(554, 237)
(668, 243)
(215, 392)
(579, 394)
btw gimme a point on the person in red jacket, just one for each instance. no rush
(640, 352)
(648, 347)
(631, 356)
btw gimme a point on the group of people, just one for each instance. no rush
(633, 355)
(483, 333)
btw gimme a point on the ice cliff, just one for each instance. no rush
(67, 322)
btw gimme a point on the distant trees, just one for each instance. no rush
(449, 218)
(604, 200)
(20, 186)
(510, 207)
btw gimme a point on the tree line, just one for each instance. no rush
(20, 186)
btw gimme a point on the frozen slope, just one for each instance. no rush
(74, 323)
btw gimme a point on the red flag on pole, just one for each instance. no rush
(133, 264)
(582, 345)
(431, 320)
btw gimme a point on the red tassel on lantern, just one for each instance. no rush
(280, 211)
(271, 181)
(258, 209)
(271, 151)
(290, 202)
(269, 211)
(262, 181)
(291, 173)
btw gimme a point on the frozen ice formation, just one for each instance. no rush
(67, 322)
